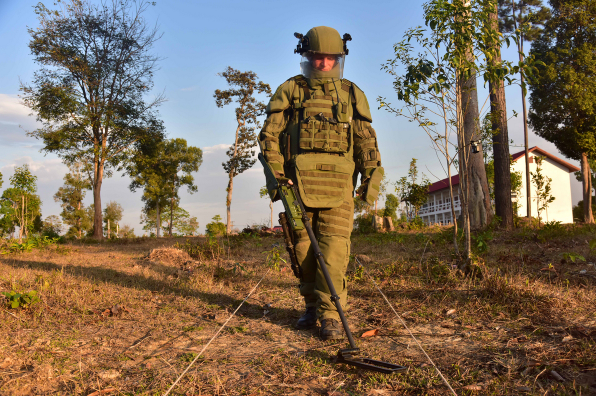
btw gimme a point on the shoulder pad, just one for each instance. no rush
(282, 98)
(361, 103)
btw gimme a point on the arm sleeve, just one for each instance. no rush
(366, 148)
(269, 139)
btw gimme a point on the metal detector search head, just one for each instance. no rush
(346, 356)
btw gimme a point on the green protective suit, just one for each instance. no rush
(318, 134)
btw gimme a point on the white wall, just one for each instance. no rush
(561, 208)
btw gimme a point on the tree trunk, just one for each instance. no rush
(158, 221)
(479, 205)
(586, 190)
(526, 153)
(498, 108)
(229, 202)
(22, 225)
(79, 220)
(108, 233)
(97, 216)
(271, 207)
(171, 215)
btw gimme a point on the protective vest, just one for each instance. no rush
(318, 141)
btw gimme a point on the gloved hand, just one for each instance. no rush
(369, 189)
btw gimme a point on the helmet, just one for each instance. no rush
(323, 52)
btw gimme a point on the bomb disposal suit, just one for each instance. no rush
(318, 135)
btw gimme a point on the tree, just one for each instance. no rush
(20, 206)
(52, 226)
(264, 193)
(391, 205)
(71, 196)
(189, 226)
(126, 231)
(216, 227)
(543, 190)
(180, 220)
(412, 192)
(526, 19)
(243, 87)
(563, 97)
(89, 93)
(112, 214)
(161, 168)
(500, 136)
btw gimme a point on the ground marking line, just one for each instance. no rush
(215, 335)
(406, 327)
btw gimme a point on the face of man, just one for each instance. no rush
(323, 62)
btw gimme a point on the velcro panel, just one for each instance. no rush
(316, 191)
(319, 105)
(324, 183)
(323, 175)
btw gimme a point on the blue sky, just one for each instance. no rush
(200, 39)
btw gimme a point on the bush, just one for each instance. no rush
(216, 227)
(363, 224)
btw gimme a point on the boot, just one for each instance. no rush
(331, 329)
(308, 320)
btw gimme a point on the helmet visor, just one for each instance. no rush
(319, 65)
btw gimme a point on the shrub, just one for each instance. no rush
(216, 227)
(21, 300)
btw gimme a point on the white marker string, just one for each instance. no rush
(215, 335)
(407, 328)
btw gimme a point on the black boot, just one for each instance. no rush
(308, 320)
(331, 329)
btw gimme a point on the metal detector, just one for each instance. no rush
(346, 356)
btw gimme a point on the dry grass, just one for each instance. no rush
(127, 318)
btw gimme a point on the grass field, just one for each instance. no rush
(126, 317)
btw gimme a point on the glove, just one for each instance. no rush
(369, 189)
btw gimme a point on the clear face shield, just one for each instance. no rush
(319, 65)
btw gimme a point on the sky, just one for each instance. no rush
(201, 39)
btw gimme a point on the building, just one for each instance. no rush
(437, 210)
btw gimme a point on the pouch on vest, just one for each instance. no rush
(323, 180)
(324, 135)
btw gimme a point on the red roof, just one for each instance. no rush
(442, 184)
(537, 149)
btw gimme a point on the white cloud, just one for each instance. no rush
(217, 148)
(11, 105)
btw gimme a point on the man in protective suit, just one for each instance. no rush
(318, 135)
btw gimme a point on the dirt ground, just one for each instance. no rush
(127, 317)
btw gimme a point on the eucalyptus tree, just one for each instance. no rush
(242, 88)
(90, 91)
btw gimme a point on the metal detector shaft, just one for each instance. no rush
(346, 356)
(321, 259)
